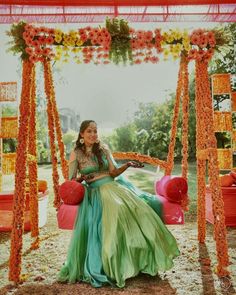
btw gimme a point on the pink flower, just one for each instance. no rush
(85, 50)
(36, 43)
(46, 51)
(192, 54)
(137, 61)
(29, 50)
(38, 51)
(51, 31)
(25, 35)
(50, 40)
(149, 36)
(33, 59)
(106, 62)
(195, 39)
(42, 39)
(29, 41)
(154, 59)
(106, 48)
(86, 61)
(43, 30)
(28, 27)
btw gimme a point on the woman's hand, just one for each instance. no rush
(85, 177)
(135, 164)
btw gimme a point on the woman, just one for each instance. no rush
(116, 234)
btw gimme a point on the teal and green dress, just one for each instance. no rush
(117, 233)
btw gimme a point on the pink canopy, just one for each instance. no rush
(95, 11)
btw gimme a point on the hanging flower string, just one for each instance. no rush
(170, 156)
(51, 132)
(64, 163)
(208, 141)
(185, 111)
(20, 177)
(32, 167)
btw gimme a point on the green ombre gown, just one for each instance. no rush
(117, 233)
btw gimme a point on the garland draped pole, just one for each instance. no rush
(117, 43)
(210, 145)
(32, 167)
(20, 177)
(51, 130)
(170, 156)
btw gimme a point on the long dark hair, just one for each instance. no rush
(97, 149)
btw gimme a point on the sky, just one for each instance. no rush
(108, 94)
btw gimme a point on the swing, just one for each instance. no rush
(206, 145)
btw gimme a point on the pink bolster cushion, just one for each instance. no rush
(71, 192)
(173, 188)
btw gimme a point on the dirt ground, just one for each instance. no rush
(193, 273)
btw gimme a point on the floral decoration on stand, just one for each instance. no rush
(117, 43)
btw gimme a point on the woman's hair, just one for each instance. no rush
(97, 149)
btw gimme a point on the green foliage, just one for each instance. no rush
(9, 145)
(120, 49)
(125, 138)
(18, 43)
(224, 60)
(69, 139)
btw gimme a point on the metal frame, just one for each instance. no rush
(97, 14)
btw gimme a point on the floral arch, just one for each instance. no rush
(117, 43)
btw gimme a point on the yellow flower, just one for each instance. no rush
(59, 49)
(75, 50)
(65, 60)
(73, 34)
(58, 38)
(58, 32)
(166, 53)
(79, 42)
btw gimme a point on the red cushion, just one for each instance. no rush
(173, 188)
(233, 174)
(226, 180)
(71, 192)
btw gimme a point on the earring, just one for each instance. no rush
(81, 140)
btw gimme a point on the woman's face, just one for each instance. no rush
(90, 134)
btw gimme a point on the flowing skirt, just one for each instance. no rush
(116, 236)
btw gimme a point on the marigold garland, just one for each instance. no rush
(201, 163)
(51, 129)
(32, 168)
(9, 127)
(185, 111)
(206, 139)
(8, 163)
(64, 163)
(140, 158)
(170, 157)
(222, 121)
(20, 177)
(221, 83)
(225, 158)
(8, 91)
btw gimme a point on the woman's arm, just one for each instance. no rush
(114, 172)
(73, 166)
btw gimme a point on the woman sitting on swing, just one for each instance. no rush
(118, 231)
